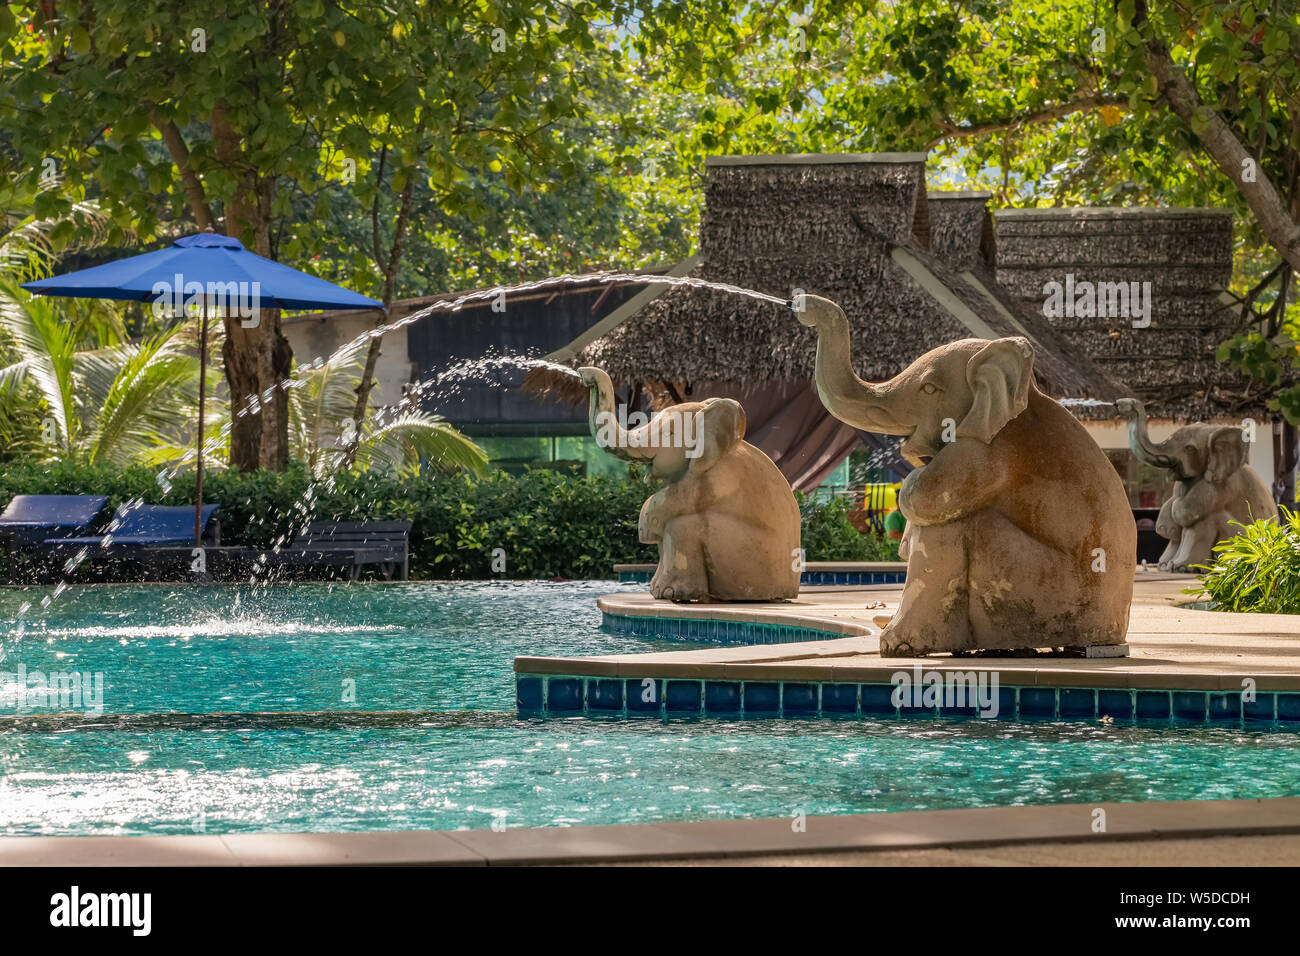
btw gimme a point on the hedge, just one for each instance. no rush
(550, 525)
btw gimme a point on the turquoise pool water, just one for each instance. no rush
(421, 646)
(224, 711)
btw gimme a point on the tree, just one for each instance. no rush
(221, 113)
(400, 440)
(1045, 102)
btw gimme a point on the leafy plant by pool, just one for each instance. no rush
(1259, 569)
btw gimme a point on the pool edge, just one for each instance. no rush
(792, 835)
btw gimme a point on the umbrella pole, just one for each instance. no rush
(203, 382)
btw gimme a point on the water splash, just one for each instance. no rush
(454, 377)
(253, 403)
(1085, 403)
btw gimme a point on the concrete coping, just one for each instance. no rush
(904, 830)
(1173, 647)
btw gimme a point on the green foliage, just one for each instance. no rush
(829, 535)
(550, 525)
(68, 376)
(1259, 569)
(396, 441)
(1044, 102)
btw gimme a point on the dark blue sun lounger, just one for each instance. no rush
(155, 540)
(147, 526)
(31, 519)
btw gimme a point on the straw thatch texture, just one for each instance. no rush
(1186, 255)
(831, 229)
(961, 229)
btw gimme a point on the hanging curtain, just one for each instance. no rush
(791, 426)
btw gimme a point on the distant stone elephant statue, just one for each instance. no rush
(1215, 491)
(725, 521)
(1019, 534)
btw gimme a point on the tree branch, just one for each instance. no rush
(1088, 101)
(180, 153)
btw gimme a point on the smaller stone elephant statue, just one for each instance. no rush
(725, 521)
(1215, 491)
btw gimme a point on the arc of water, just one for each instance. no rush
(253, 403)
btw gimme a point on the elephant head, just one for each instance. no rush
(1196, 451)
(970, 388)
(692, 435)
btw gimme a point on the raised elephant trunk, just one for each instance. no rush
(847, 397)
(603, 420)
(1156, 454)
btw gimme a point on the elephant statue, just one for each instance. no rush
(1019, 534)
(1213, 486)
(725, 520)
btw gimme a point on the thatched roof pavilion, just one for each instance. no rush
(853, 228)
(1186, 255)
(911, 273)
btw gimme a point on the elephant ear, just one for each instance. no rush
(1225, 452)
(719, 425)
(999, 376)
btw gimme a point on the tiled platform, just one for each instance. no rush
(1185, 664)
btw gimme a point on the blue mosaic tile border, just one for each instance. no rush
(854, 578)
(806, 579)
(716, 632)
(541, 695)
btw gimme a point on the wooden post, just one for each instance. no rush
(203, 382)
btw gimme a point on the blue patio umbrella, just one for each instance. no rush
(202, 268)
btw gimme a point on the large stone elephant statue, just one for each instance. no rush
(725, 520)
(1019, 534)
(1215, 491)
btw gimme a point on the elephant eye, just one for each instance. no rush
(929, 388)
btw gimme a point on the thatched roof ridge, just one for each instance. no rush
(1186, 255)
(961, 228)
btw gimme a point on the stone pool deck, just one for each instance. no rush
(1154, 833)
(819, 655)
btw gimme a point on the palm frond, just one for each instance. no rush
(141, 392)
(416, 439)
(46, 348)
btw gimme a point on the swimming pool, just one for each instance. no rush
(228, 710)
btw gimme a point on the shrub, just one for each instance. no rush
(829, 535)
(550, 525)
(1259, 569)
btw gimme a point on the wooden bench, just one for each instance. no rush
(352, 545)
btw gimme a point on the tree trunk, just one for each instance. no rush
(258, 359)
(390, 266)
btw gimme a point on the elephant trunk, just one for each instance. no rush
(1144, 449)
(603, 420)
(862, 404)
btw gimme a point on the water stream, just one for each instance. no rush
(455, 376)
